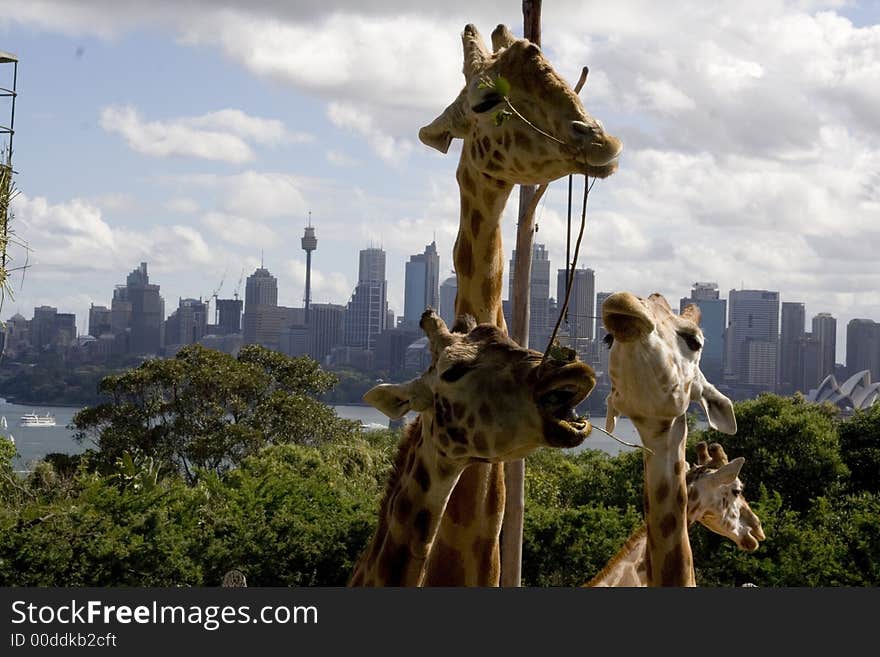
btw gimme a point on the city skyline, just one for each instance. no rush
(751, 148)
(263, 285)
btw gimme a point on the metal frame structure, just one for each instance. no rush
(9, 58)
(6, 163)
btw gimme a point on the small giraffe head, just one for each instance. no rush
(654, 363)
(512, 150)
(485, 398)
(715, 498)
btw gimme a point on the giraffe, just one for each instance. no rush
(655, 374)
(483, 399)
(493, 159)
(715, 499)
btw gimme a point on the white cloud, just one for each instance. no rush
(359, 120)
(238, 230)
(182, 205)
(264, 195)
(221, 135)
(327, 287)
(341, 159)
(74, 237)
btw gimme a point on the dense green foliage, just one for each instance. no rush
(204, 409)
(53, 383)
(297, 508)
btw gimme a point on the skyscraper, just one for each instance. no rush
(188, 323)
(421, 285)
(753, 338)
(539, 296)
(825, 331)
(448, 290)
(229, 312)
(99, 320)
(147, 312)
(863, 347)
(580, 302)
(713, 320)
(367, 310)
(260, 302)
(790, 347)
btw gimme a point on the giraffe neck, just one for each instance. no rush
(478, 254)
(668, 553)
(467, 551)
(629, 566)
(414, 502)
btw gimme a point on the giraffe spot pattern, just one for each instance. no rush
(449, 570)
(476, 222)
(422, 476)
(457, 434)
(672, 571)
(403, 508)
(480, 443)
(668, 524)
(392, 567)
(662, 492)
(464, 258)
(421, 524)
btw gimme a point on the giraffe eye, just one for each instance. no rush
(736, 492)
(691, 340)
(488, 102)
(455, 372)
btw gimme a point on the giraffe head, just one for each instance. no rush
(715, 498)
(511, 150)
(654, 363)
(485, 398)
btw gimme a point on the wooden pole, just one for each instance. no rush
(514, 471)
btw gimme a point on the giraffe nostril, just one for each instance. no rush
(584, 129)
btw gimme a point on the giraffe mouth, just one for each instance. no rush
(562, 425)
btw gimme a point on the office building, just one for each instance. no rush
(100, 320)
(581, 313)
(421, 285)
(863, 347)
(825, 331)
(752, 339)
(448, 290)
(540, 323)
(367, 312)
(790, 344)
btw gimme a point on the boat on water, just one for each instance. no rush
(4, 430)
(34, 420)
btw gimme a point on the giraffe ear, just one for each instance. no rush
(726, 474)
(718, 408)
(398, 399)
(450, 124)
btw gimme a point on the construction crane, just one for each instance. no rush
(238, 287)
(214, 297)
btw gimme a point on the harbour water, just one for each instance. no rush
(33, 443)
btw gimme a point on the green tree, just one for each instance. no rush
(204, 409)
(790, 445)
(860, 448)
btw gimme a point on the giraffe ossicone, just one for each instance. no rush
(484, 399)
(654, 366)
(715, 499)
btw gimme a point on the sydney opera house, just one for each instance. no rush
(856, 393)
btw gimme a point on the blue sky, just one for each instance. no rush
(198, 135)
